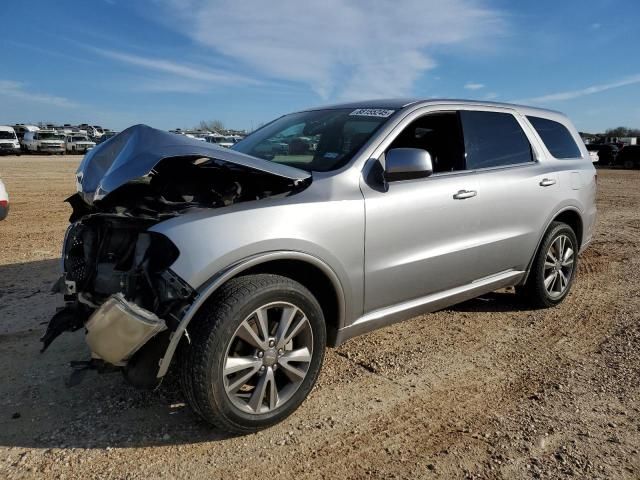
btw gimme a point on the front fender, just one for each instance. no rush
(217, 244)
(223, 276)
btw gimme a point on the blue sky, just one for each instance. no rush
(172, 63)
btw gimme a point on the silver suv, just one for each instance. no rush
(245, 263)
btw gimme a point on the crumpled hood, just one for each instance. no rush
(134, 152)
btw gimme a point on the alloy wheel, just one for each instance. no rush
(268, 357)
(558, 266)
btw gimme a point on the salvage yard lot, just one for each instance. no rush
(484, 389)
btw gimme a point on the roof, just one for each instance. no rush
(390, 103)
(398, 103)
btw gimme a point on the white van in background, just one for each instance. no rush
(78, 143)
(21, 129)
(9, 143)
(94, 131)
(44, 141)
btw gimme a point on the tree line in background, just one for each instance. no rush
(218, 126)
(212, 125)
(622, 132)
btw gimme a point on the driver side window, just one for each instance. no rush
(438, 133)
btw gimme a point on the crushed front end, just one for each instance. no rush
(117, 282)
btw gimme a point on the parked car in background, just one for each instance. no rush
(106, 136)
(629, 157)
(93, 131)
(21, 129)
(251, 260)
(220, 140)
(44, 141)
(78, 143)
(606, 152)
(195, 137)
(4, 201)
(9, 143)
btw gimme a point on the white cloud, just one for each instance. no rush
(9, 88)
(571, 94)
(191, 72)
(340, 48)
(473, 86)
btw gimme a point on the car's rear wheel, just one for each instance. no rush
(553, 269)
(256, 352)
(628, 164)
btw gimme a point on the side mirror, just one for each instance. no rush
(407, 164)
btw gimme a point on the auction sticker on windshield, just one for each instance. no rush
(372, 112)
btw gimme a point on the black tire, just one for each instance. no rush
(212, 331)
(534, 291)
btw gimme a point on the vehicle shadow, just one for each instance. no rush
(40, 410)
(499, 301)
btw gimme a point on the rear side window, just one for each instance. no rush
(493, 139)
(556, 137)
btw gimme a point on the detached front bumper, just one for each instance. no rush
(119, 328)
(118, 286)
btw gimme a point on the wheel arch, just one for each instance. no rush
(308, 270)
(569, 215)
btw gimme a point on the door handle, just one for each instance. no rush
(462, 194)
(547, 182)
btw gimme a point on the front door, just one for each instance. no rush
(420, 233)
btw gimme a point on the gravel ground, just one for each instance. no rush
(486, 389)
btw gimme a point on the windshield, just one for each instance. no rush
(318, 140)
(4, 135)
(79, 139)
(50, 136)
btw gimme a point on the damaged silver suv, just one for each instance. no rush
(245, 263)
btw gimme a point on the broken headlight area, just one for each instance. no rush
(117, 285)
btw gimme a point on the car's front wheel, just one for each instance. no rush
(553, 269)
(256, 351)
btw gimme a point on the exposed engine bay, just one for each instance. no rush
(116, 279)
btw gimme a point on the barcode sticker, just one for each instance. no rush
(372, 112)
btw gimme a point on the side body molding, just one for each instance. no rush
(207, 289)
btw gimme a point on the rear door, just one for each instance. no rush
(516, 193)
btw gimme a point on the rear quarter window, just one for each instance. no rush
(556, 138)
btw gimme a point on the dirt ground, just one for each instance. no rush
(486, 389)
